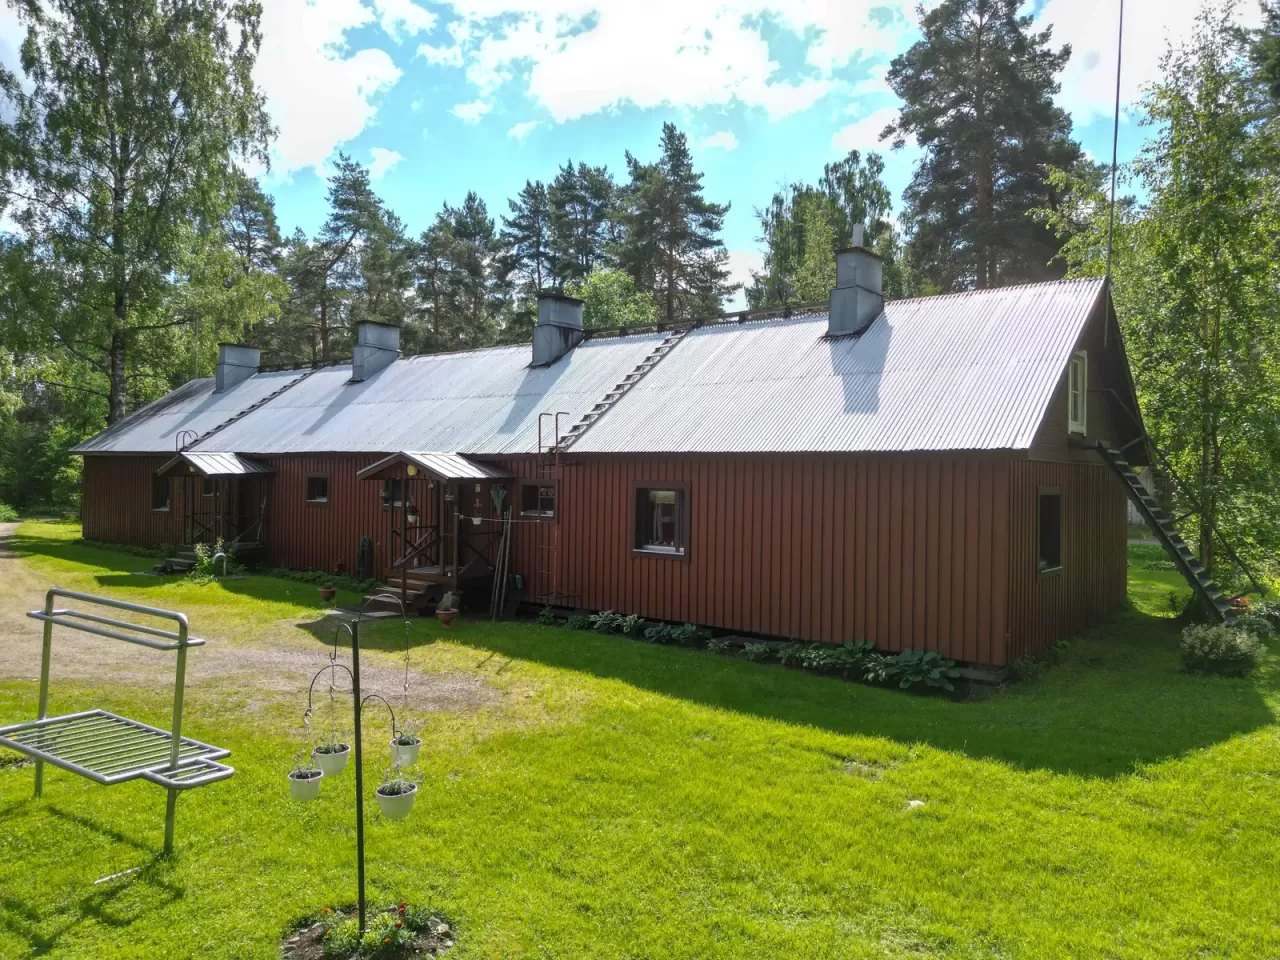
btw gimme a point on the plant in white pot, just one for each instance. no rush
(331, 754)
(304, 778)
(406, 744)
(447, 608)
(396, 793)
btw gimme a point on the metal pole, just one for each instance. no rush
(175, 748)
(45, 652)
(355, 699)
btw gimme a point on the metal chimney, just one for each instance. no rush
(377, 345)
(236, 364)
(859, 294)
(559, 327)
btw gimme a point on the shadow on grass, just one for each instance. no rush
(126, 571)
(1117, 700)
(99, 902)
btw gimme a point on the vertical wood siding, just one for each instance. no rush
(116, 505)
(904, 552)
(1044, 609)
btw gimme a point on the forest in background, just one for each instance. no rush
(139, 243)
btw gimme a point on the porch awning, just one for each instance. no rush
(214, 464)
(445, 466)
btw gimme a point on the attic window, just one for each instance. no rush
(1077, 390)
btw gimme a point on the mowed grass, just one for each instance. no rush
(617, 800)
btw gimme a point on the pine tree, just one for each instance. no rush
(251, 227)
(671, 245)
(526, 237)
(977, 95)
(583, 219)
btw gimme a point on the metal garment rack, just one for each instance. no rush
(105, 747)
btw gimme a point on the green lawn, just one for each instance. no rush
(596, 797)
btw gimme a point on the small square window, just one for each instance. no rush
(159, 492)
(393, 492)
(538, 499)
(1077, 393)
(661, 520)
(318, 488)
(208, 487)
(1049, 533)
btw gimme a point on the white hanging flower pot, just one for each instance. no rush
(405, 754)
(334, 762)
(396, 806)
(304, 785)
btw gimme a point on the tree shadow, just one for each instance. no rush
(1116, 700)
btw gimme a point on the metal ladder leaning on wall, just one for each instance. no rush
(1162, 525)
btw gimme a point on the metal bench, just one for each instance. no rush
(103, 746)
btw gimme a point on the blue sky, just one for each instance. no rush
(442, 97)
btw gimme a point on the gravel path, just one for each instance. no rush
(275, 665)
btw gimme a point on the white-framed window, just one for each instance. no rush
(1077, 392)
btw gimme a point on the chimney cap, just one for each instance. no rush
(556, 295)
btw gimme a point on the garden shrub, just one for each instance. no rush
(913, 667)
(8, 514)
(1216, 648)
(756, 652)
(578, 622)
(719, 645)
(205, 570)
(547, 617)
(321, 579)
(1256, 624)
(662, 633)
(1269, 609)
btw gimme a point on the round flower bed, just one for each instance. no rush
(393, 932)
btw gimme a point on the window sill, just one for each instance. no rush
(672, 552)
(1050, 571)
(545, 514)
(317, 503)
(159, 509)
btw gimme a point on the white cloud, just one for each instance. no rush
(443, 56)
(471, 112)
(864, 134)
(578, 57)
(724, 139)
(403, 18)
(384, 161)
(320, 93)
(741, 265)
(523, 129)
(1089, 80)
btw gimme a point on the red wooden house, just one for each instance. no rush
(919, 473)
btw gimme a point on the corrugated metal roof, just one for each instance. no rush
(209, 464)
(969, 371)
(193, 406)
(482, 401)
(447, 466)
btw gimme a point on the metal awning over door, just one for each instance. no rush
(450, 467)
(215, 464)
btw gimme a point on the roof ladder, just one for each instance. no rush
(630, 380)
(1162, 524)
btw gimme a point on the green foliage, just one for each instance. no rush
(205, 570)
(391, 932)
(846, 658)
(1269, 609)
(720, 645)
(1215, 648)
(546, 617)
(804, 225)
(578, 622)
(301, 766)
(409, 732)
(331, 742)
(396, 782)
(914, 667)
(978, 95)
(7, 513)
(1194, 283)
(756, 652)
(878, 668)
(610, 300)
(1257, 624)
(606, 621)
(672, 245)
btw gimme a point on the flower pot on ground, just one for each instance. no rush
(331, 757)
(327, 593)
(304, 783)
(396, 794)
(447, 608)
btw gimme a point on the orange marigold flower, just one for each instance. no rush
(399, 924)
(386, 939)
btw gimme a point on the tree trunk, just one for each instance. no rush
(324, 328)
(117, 398)
(671, 286)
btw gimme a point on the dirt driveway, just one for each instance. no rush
(273, 666)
